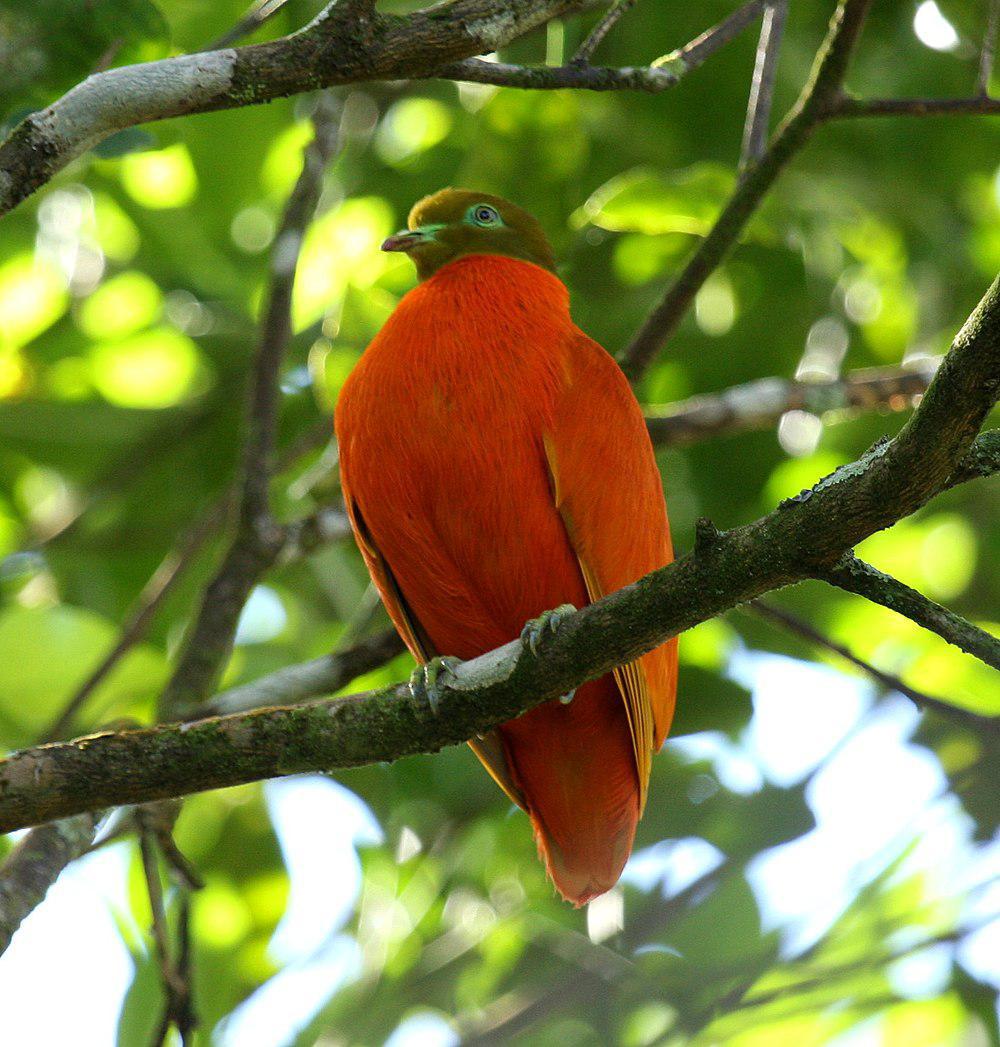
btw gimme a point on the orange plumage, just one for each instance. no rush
(495, 464)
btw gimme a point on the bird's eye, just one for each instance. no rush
(483, 214)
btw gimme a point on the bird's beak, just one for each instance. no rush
(406, 240)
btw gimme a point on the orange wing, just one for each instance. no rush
(608, 491)
(487, 747)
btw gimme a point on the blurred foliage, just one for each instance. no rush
(129, 295)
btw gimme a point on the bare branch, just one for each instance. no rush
(299, 683)
(982, 459)
(813, 106)
(32, 867)
(652, 79)
(178, 1008)
(761, 403)
(803, 629)
(586, 50)
(661, 74)
(762, 87)
(861, 107)
(856, 576)
(693, 54)
(260, 12)
(161, 584)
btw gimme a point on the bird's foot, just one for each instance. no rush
(427, 683)
(548, 621)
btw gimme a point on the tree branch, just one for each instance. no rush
(856, 576)
(652, 78)
(765, 72)
(260, 12)
(761, 403)
(32, 867)
(259, 539)
(586, 50)
(796, 625)
(856, 107)
(299, 683)
(693, 54)
(982, 459)
(813, 106)
(797, 540)
(661, 74)
(161, 584)
(345, 43)
(178, 1009)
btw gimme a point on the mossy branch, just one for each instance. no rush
(855, 576)
(800, 539)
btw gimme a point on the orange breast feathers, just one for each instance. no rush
(495, 465)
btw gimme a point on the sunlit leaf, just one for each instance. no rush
(643, 201)
(157, 368)
(411, 126)
(159, 179)
(120, 306)
(32, 297)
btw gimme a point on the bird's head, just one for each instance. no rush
(456, 222)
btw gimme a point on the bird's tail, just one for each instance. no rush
(575, 767)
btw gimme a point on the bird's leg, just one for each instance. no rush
(548, 621)
(426, 683)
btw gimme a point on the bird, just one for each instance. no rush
(497, 471)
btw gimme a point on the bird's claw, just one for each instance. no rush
(426, 682)
(548, 621)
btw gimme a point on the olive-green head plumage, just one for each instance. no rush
(456, 222)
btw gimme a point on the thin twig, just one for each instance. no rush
(178, 1010)
(808, 632)
(300, 683)
(652, 79)
(161, 584)
(32, 867)
(856, 576)
(988, 49)
(258, 539)
(813, 107)
(661, 74)
(259, 13)
(765, 72)
(586, 50)
(760, 404)
(862, 107)
(691, 55)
